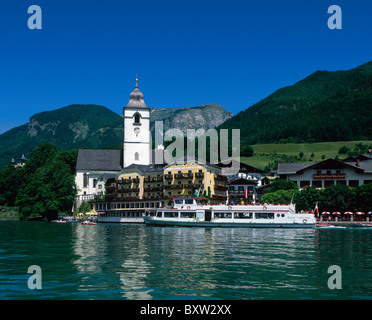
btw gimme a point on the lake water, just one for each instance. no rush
(111, 261)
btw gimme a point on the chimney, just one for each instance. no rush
(357, 163)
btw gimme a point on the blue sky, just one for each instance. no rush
(186, 53)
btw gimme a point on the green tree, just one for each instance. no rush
(10, 183)
(362, 198)
(343, 150)
(246, 151)
(280, 184)
(336, 198)
(307, 198)
(49, 190)
(279, 196)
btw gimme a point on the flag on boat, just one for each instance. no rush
(246, 193)
(316, 210)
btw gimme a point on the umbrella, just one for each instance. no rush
(348, 212)
(336, 212)
(359, 213)
(325, 212)
(369, 212)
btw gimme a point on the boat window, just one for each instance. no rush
(222, 215)
(188, 214)
(178, 201)
(189, 201)
(243, 215)
(171, 214)
(264, 215)
(159, 214)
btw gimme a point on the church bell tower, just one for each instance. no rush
(137, 136)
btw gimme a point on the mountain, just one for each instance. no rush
(325, 106)
(202, 117)
(95, 127)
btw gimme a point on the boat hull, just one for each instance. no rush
(218, 224)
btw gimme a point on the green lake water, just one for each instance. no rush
(112, 261)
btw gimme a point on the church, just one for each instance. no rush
(131, 173)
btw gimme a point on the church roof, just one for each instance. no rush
(136, 99)
(99, 160)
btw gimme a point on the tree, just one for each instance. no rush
(279, 196)
(343, 150)
(280, 184)
(246, 151)
(49, 190)
(336, 198)
(10, 183)
(307, 198)
(362, 198)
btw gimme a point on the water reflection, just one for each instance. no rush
(139, 262)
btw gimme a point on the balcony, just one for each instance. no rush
(173, 186)
(329, 176)
(125, 181)
(220, 177)
(199, 175)
(168, 176)
(153, 189)
(128, 190)
(154, 179)
(220, 187)
(184, 175)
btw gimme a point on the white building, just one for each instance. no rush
(93, 169)
(137, 136)
(327, 173)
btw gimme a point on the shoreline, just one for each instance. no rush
(346, 223)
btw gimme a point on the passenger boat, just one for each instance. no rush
(194, 212)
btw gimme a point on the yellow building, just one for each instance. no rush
(182, 178)
(188, 178)
(140, 182)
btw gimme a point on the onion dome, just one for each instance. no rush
(136, 99)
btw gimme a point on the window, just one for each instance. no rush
(341, 182)
(137, 118)
(353, 183)
(136, 156)
(188, 214)
(328, 183)
(317, 183)
(243, 215)
(304, 184)
(189, 201)
(367, 181)
(85, 180)
(222, 215)
(171, 214)
(264, 215)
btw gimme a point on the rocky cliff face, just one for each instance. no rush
(201, 117)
